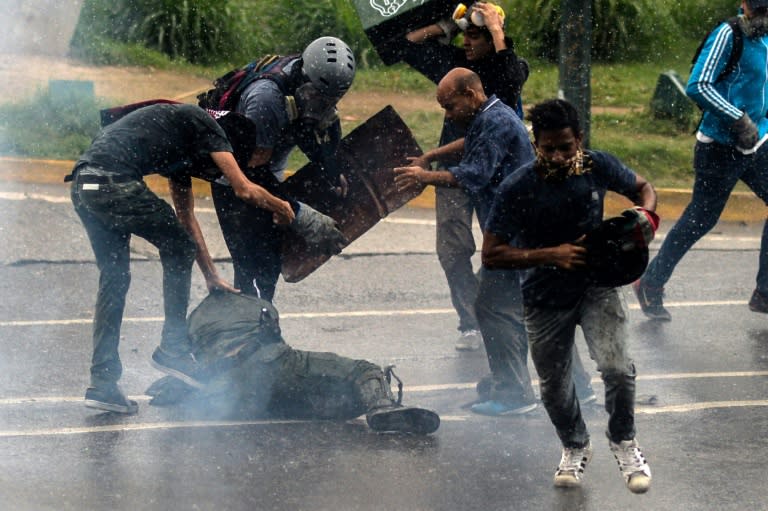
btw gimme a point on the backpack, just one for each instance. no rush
(738, 47)
(229, 87)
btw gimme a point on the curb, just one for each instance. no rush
(741, 206)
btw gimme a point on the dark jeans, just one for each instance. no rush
(499, 309)
(717, 169)
(455, 248)
(111, 214)
(253, 240)
(602, 315)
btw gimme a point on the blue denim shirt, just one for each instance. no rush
(496, 143)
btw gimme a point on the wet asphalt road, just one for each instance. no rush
(701, 417)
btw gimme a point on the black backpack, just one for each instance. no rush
(228, 88)
(738, 47)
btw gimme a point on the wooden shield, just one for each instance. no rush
(367, 157)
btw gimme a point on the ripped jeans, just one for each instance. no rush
(602, 315)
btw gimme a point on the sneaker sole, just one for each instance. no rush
(639, 483)
(177, 374)
(570, 482)
(510, 413)
(111, 407)
(417, 421)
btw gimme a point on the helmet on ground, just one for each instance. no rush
(329, 64)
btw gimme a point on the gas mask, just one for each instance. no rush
(756, 26)
(312, 107)
(464, 16)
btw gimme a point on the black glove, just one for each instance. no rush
(745, 131)
(319, 230)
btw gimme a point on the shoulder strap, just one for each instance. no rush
(738, 47)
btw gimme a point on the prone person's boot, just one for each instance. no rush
(387, 414)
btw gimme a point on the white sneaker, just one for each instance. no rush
(469, 340)
(574, 460)
(632, 464)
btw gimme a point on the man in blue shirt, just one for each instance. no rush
(539, 217)
(730, 146)
(489, 53)
(496, 142)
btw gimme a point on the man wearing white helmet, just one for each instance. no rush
(293, 103)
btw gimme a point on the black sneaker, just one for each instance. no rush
(758, 303)
(651, 301)
(110, 399)
(403, 419)
(184, 367)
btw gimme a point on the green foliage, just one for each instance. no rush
(199, 31)
(49, 126)
(395, 78)
(232, 32)
(102, 51)
(662, 154)
(696, 17)
(622, 30)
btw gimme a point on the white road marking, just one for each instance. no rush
(150, 426)
(18, 196)
(341, 314)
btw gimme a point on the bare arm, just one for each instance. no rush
(453, 151)
(184, 203)
(412, 176)
(422, 34)
(250, 192)
(494, 25)
(498, 254)
(646, 194)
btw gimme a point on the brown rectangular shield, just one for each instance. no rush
(367, 156)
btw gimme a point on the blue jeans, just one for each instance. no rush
(111, 214)
(717, 169)
(499, 309)
(602, 315)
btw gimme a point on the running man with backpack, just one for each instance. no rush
(292, 100)
(729, 147)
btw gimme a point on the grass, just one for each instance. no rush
(621, 121)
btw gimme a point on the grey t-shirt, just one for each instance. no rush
(264, 104)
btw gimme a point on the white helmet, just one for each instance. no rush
(330, 65)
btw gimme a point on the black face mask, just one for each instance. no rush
(757, 25)
(312, 106)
